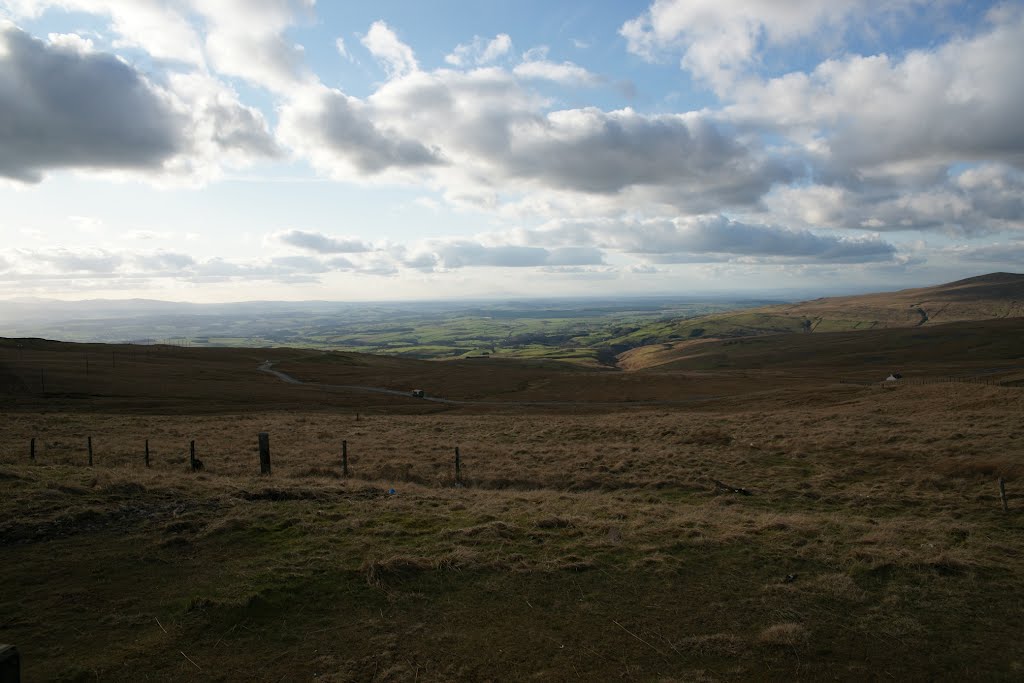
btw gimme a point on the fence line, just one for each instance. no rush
(197, 465)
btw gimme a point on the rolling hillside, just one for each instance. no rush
(997, 295)
(990, 348)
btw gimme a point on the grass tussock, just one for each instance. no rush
(396, 568)
(784, 635)
(489, 531)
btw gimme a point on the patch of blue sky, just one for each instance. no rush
(53, 20)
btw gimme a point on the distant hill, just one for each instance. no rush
(997, 295)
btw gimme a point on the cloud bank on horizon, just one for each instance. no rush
(233, 148)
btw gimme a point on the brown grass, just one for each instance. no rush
(788, 635)
(584, 542)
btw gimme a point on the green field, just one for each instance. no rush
(580, 331)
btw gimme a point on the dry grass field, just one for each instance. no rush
(981, 298)
(599, 531)
(990, 348)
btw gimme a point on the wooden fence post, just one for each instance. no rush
(89, 443)
(42, 381)
(196, 463)
(458, 466)
(1002, 494)
(32, 449)
(264, 453)
(344, 458)
(147, 452)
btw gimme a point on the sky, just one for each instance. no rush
(228, 150)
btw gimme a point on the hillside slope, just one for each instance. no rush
(997, 295)
(989, 348)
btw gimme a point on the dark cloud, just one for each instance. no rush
(241, 129)
(692, 160)
(703, 238)
(338, 125)
(720, 235)
(322, 244)
(473, 132)
(371, 150)
(980, 199)
(60, 108)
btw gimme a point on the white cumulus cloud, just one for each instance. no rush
(480, 51)
(396, 57)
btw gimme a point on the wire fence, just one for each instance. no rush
(114, 451)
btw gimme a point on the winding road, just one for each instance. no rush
(268, 367)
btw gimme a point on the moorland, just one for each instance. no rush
(731, 507)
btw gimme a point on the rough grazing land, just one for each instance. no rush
(585, 544)
(986, 297)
